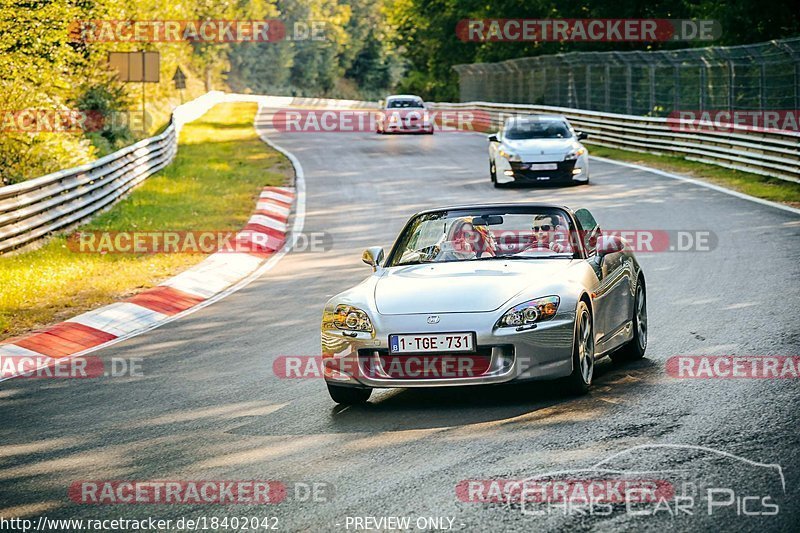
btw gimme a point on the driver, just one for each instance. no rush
(549, 232)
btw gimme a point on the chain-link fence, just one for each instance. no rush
(764, 76)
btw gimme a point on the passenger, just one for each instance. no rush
(468, 242)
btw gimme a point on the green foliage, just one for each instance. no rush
(348, 55)
(109, 101)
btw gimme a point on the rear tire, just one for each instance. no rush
(635, 348)
(580, 380)
(348, 395)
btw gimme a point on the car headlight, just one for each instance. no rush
(575, 154)
(530, 312)
(351, 318)
(509, 155)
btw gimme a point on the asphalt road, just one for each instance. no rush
(209, 406)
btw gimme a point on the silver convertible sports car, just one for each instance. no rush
(486, 294)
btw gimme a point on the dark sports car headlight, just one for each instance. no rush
(530, 312)
(352, 319)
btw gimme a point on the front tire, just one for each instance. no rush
(348, 395)
(580, 380)
(493, 174)
(635, 348)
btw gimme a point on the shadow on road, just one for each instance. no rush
(412, 409)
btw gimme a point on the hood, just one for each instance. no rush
(461, 286)
(538, 147)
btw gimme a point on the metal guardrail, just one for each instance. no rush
(774, 153)
(35, 208)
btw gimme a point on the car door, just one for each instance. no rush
(610, 303)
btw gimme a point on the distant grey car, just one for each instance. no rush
(486, 294)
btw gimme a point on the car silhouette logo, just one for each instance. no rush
(433, 319)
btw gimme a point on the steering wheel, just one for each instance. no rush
(429, 252)
(536, 249)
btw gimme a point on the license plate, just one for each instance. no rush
(543, 166)
(432, 343)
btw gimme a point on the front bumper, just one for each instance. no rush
(574, 170)
(544, 352)
(405, 126)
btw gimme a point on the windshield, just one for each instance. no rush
(484, 235)
(403, 103)
(537, 129)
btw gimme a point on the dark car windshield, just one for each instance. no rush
(537, 129)
(448, 236)
(402, 103)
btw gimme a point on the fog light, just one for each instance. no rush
(508, 172)
(576, 171)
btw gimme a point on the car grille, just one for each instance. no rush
(428, 366)
(563, 172)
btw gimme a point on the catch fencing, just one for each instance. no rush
(763, 76)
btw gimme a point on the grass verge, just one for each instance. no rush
(773, 189)
(212, 184)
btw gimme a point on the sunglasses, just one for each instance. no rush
(544, 227)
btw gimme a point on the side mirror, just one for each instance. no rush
(373, 257)
(493, 138)
(609, 244)
(582, 135)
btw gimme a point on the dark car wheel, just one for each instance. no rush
(636, 347)
(348, 395)
(582, 352)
